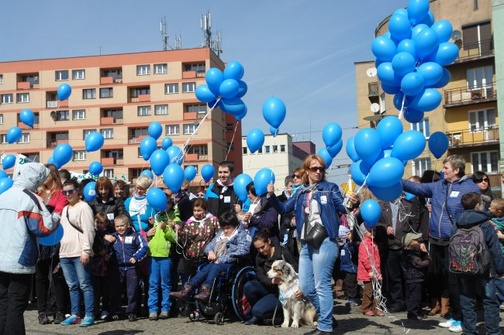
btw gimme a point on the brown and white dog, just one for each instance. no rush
(300, 310)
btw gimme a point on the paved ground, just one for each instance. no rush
(349, 323)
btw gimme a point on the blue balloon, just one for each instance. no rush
(204, 94)
(417, 10)
(64, 92)
(233, 70)
(261, 180)
(273, 131)
(156, 198)
(418, 29)
(399, 100)
(446, 53)
(233, 106)
(445, 79)
(189, 173)
(399, 27)
(158, 161)
(147, 173)
(229, 89)
(326, 156)
(8, 161)
(243, 88)
(94, 141)
(413, 116)
(331, 134)
(334, 150)
(407, 45)
(371, 212)
(390, 89)
(438, 143)
(173, 177)
(426, 42)
(412, 84)
(175, 155)
(403, 63)
(166, 143)
(431, 72)
(14, 134)
(214, 79)
(443, 29)
(207, 172)
(89, 191)
(389, 128)
(385, 172)
(274, 111)
(408, 145)
(242, 115)
(427, 101)
(368, 145)
(5, 184)
(383, 48)
(387, 75)
(155, 130)
(50, 160)
(95, 168)
(350, 150)
(255, 139)
(240, 186)
(62, 154)
(3, 174)
(390, 193)
(429, 19)
(53, 238)
(147, 147)
(359, 171)
(27, 117)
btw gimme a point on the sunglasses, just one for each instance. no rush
(317, 168)
(68, 192)
(484, 179)
(201, 195)
(295, 176)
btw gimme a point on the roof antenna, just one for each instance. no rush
(164, 34)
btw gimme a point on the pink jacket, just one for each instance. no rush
(368, 252)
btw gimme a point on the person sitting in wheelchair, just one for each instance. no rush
(230, 243)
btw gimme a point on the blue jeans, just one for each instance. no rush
(485, 288)
(207, 274)
(315, 274)
(160, 268)
(263, 302)
(78, 278)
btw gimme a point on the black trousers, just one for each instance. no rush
(351, 287)
(393, 279)
(50, 283)
(414, 298)
(14, 293)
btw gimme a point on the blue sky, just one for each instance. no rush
(299, 51)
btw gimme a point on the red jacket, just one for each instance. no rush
(368, 253)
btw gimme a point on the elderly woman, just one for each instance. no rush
(316, 206)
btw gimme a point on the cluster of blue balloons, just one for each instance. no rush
(379, 156)
(225, 88)
(411, 59)
(261, 180)
(331, 135)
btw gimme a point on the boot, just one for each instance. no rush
(445, 307)
(435, 306)
(183, 293)
(203, 294)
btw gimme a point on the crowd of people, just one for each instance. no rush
(125, 259)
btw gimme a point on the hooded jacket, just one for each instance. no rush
(23, 217)
(132, 244)
(445, 201)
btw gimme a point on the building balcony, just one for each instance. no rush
(141, 98)
(190, 115)
(56, 103)
(476, 51)
(468, 138)
(108, 161)
(51, 143)
(106, 80)
(191, 157)
(136, 140)
(24, 85)
(462, 96)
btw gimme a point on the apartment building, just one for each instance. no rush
(119, 96)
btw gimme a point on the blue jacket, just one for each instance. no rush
(330, 203)
(473, 217)
(445, 200)
(348, 258)
(238, 245)
(134, 245)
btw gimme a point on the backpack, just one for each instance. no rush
(468, 252)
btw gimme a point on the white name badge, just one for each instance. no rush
(323, 199)
(227, 199)
(110, 216)
(454, 194)
(128, 240)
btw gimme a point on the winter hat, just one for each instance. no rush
(410, 237)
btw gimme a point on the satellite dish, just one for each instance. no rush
(371, 72)
(456, 35)
(54, 115)
(375, 108)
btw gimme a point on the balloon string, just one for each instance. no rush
(232, 140)
(363, 184)
(402, 107)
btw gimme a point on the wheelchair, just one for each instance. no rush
(227, 300)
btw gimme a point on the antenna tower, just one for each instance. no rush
(164, 34)
(206, 26)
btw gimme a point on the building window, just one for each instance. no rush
(61, 75)
(245, 150)
(3, 138)
(282, 147)
(144, 110)
(107, 133)
(260, 150)
(160, 68)
(1, 118)
(143, 70)
(79, 155)
(188, 87)
(478, 36)
(89, 93)
(139, 152)
(481, 120)
(198, 67)
(267, 149)
(63, 115)
(172, 129)
(420, 165)
(486, 161)
(1, 79)
(171, 88)
(275, 148)
(136, 92)
(189, 129)
(78, 74)
(109, 173)
(106, 92)
(161, 110)
(198, 149)
(423, 127)
(200, 109)
(86, 132)
(23, 97)
(25, 138)
(7, 98)
(479, 77)
(79, 114)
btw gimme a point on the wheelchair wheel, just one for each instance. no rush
(240, 304)
(219, 318)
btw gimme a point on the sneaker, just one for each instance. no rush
(104, 315)
(164, 315)
(87, 321)
(447, 324)
(153, 316)
(456, 327)
(43, 319)
(71, 320)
